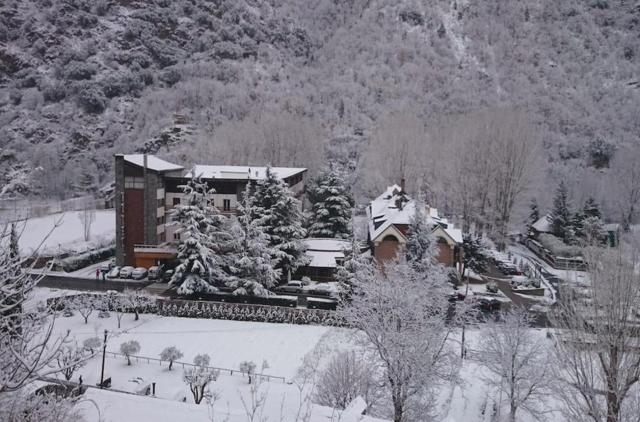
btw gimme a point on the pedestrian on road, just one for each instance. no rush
(97, 273)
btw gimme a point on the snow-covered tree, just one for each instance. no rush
(70, 359)
(279, 212)
(354, 264)
(346, 377)
(199, 250)
(249, 368)
(534, 214)
(561, 213)
(87, 217)
(29, 345)
(92, 344)
(199, 377)
(597, 337)
(474, 254)
(85, 304)
(117, 303)
(171, 354)
(251, 264)
(401, 314)
(420, 249)
(331, 206)
(129, 348)
(137, 301)
(518, 361)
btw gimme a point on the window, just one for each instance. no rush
(390, 238)
(134, 182)
(176, 201)
(160, 220)
(176, 236)
(226, 204)
(161, 203)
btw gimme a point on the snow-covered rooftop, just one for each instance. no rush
(153, 163)
(325, 252)
(396, 207)
(242, 172)
(543, 225)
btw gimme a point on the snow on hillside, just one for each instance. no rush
(65, 232)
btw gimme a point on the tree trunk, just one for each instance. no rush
(128, 360)
(135, 311)
(170, 364)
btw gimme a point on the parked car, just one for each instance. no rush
(126, 272)
(154, 273)
(293, 286)
(139, 273)
(321, 289)
(105, 267)
(114, 272)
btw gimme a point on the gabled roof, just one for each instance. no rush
(324, 252)
(394, 207)
(543, 225)
(153, 163)
(242, 172)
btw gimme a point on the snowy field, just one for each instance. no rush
(66, 232)
(286, 348)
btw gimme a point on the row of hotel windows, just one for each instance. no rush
(226, 203)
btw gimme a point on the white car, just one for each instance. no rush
(105, 267)
(114, 273)
(154, 273)
(125, 272)
(139, 273)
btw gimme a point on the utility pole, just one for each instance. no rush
(104, 351)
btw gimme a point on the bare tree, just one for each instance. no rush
(118, 303)
(625, 184)
(597, 342)
(129, 348)
(171, 354)
(199, 377)
(87, 217)
(249, 368)
(400, 314)
(518, 361)
(347, 377)
(70, 359)
(85, 304)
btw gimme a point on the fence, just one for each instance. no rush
(88, 284)
(184, 365)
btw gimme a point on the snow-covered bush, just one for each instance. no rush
(92, 343)
(129, 348)
(171, 354)
(557, 247)
(77, 71)
(70, 359)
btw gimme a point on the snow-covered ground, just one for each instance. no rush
(65, 232)
(286, 348)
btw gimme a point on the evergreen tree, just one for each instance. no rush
(534, 214)
(251, 264)
(474, 257)
(331, 207)
(560, 215)
(576, 228)
(591, 208)
(354, 262)
(278, 212)
(201, 248)
(420, 248)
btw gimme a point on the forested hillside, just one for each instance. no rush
(291, 81)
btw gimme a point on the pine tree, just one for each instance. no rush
(474, 257)
(202, 239)
(251, 264)
(354, 262)
(420, 248)
(331, 207)
(560, 215)
(534, 214)
(591, 208)
(576, 228)
(278, 212)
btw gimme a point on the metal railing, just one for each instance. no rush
(184, 365)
